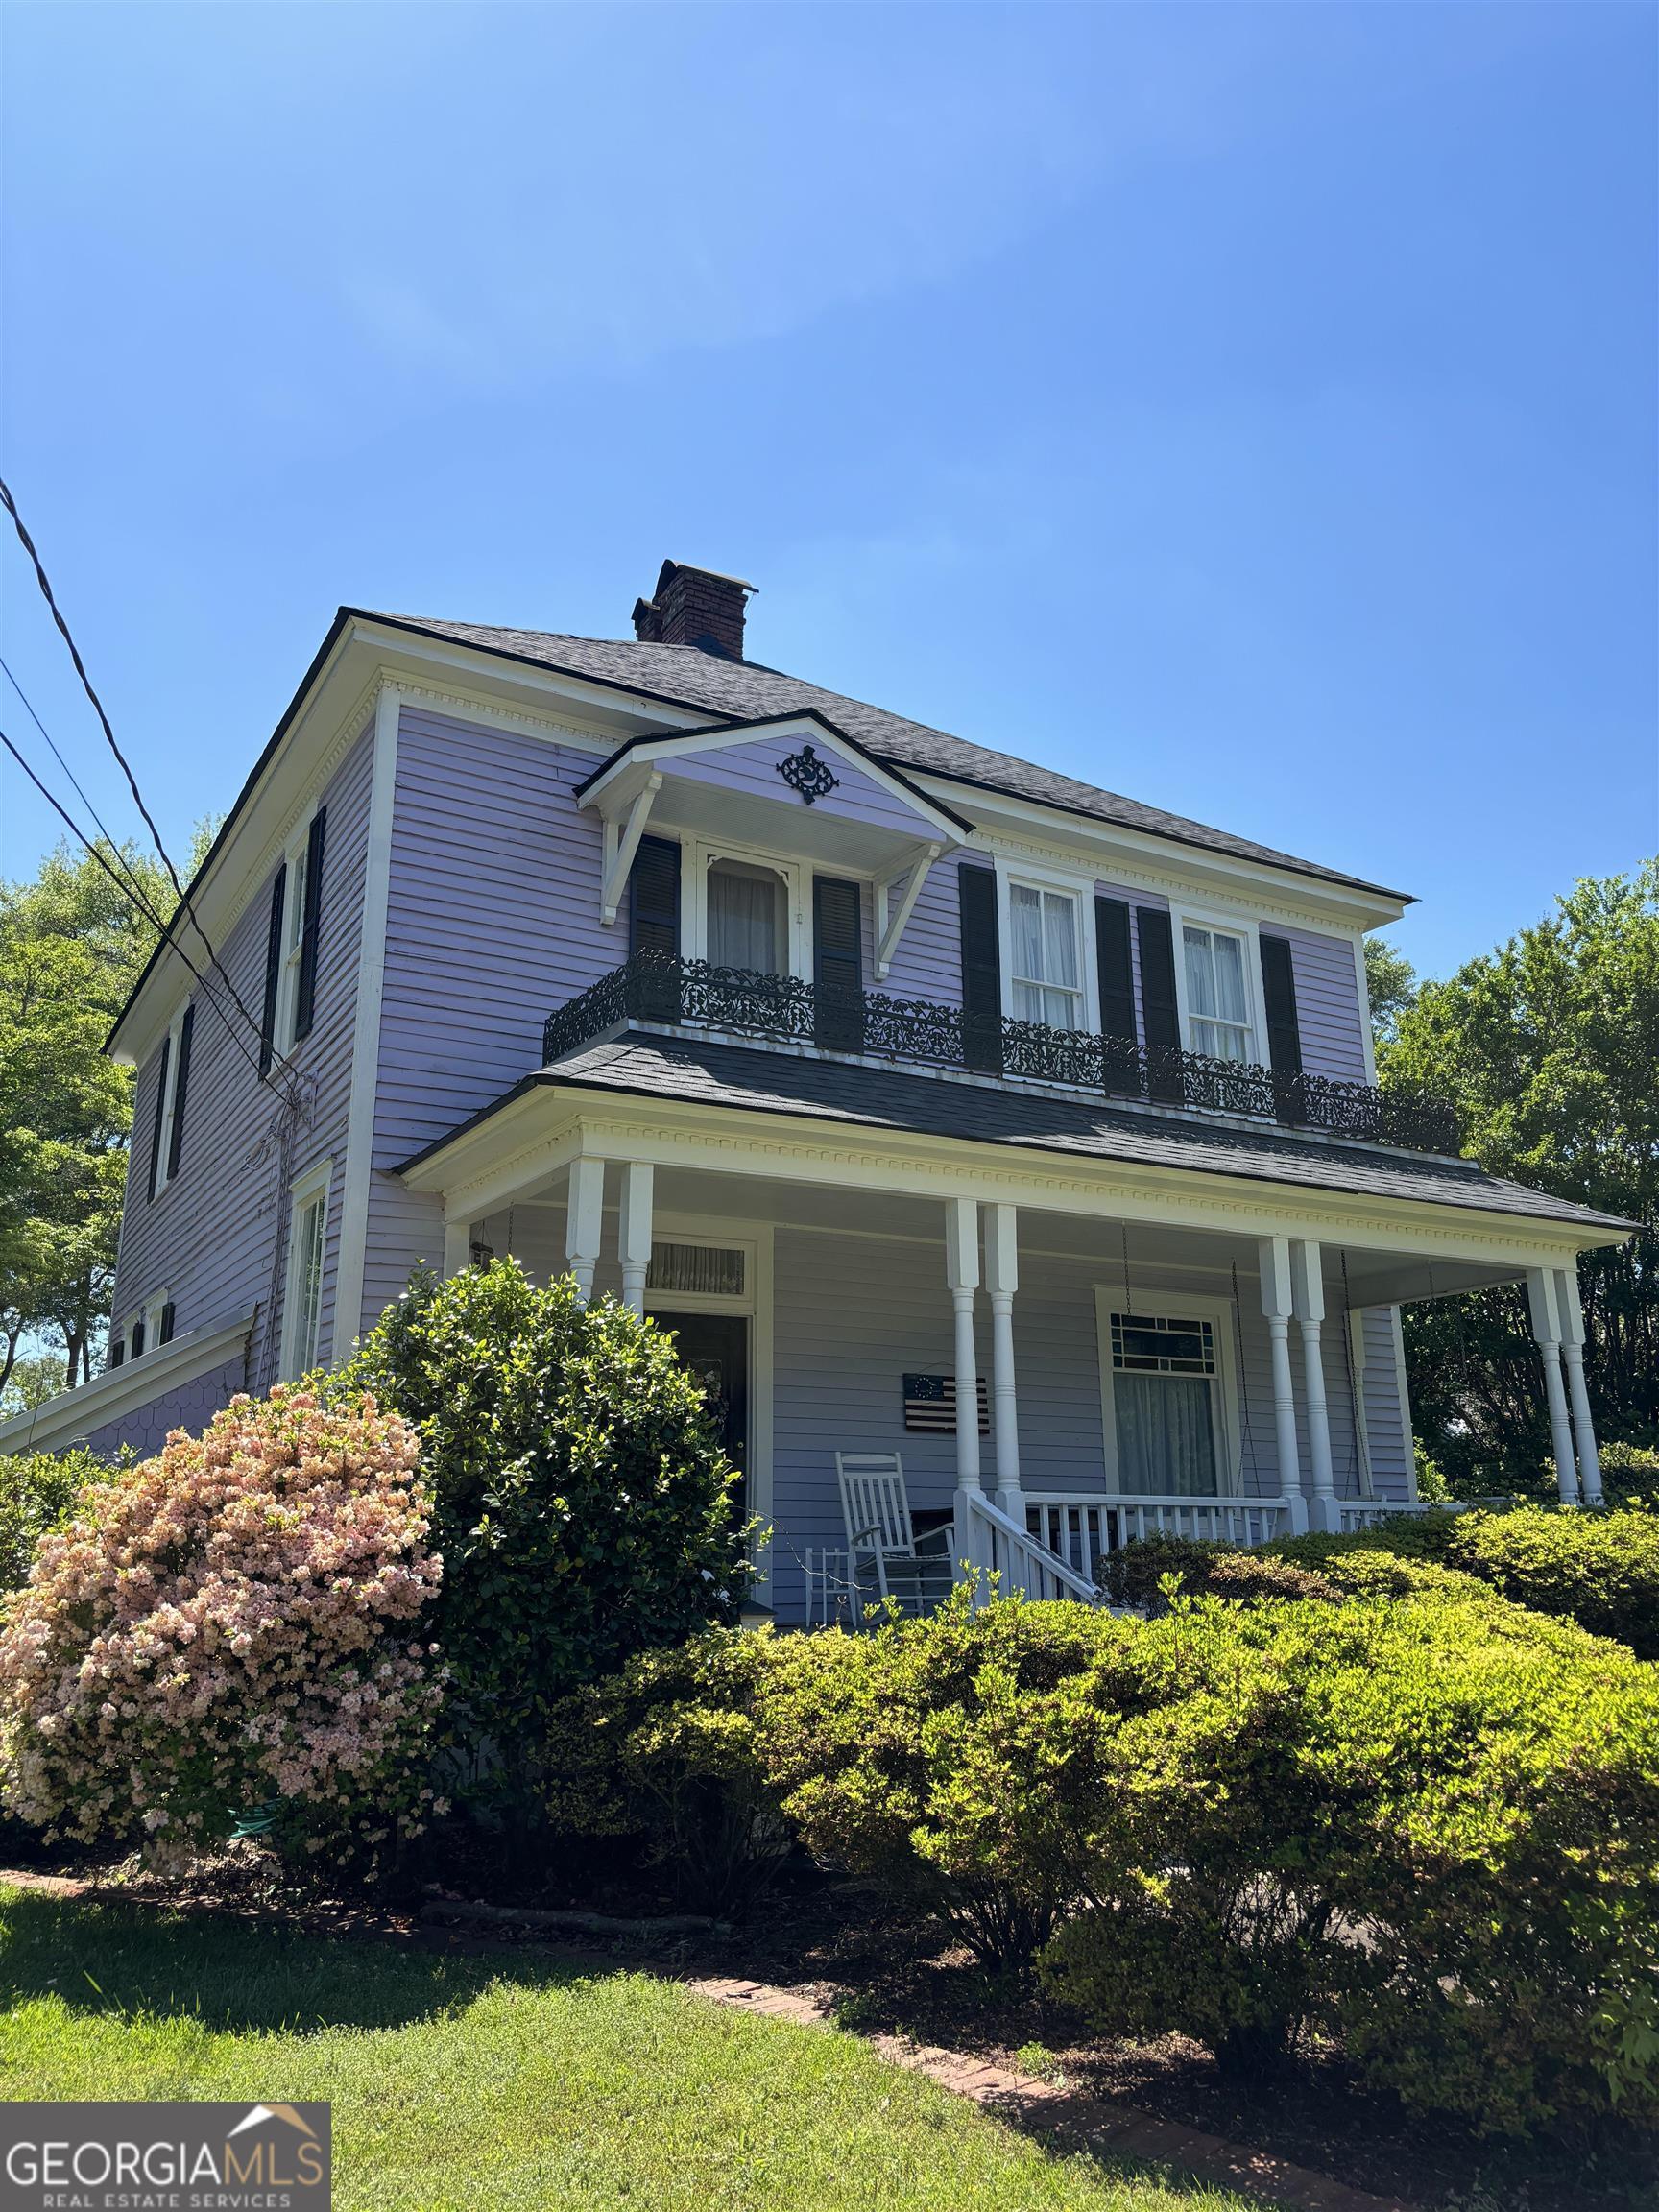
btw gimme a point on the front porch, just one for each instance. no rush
(1062, 1361)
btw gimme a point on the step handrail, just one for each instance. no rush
(997, 1544)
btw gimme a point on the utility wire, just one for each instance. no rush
(137, 896)
(184, 906)
(129, 894)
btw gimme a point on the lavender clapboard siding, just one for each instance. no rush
(1389, 1444)
(753, 768)
(215, 1239)
(493, 921)
(190, 1405)
(928, 960)
(1328, 1009)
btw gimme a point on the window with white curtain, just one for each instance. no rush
(1165, 1412)
(1217, 997)
(748, 918)
(1043, 956)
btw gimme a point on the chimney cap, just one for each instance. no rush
(696, 568)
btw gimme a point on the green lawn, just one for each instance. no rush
(503, 2081)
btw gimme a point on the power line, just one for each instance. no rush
(128, 893)
(184, 906)
(138, 895)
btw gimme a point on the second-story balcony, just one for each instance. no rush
(662, 992)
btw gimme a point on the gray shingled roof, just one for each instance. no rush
(757, 1081)
(743, 690)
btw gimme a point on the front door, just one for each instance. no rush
(716, 1347)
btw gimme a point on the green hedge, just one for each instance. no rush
(1419, 1824)
(37, 1490)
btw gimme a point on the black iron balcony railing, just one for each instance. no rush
(691, 994)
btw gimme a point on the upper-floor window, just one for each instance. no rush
(145, 1330)
(1217, 994)
(307, 1240)
(292, 943)
(748, 918)
(172, 1088)
(1046, 966)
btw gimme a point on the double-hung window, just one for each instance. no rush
(307, 1240)
(1163, 1383)
(1045, 958)
(1217, 994)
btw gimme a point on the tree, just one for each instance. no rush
(1549, 1048)
(1390, 985)
(72, 943)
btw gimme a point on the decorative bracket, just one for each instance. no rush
(891, 917)
(805, 772)
(620, 849)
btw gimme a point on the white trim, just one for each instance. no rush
(892, 921)
(1357, 1354)
(698, 854)
(1228, 925)
(119, 1391)
(1184, 1306)
(1367, 1041)
(621, 845)
(352, 1246)
(755, 1240)
(167, 1107)
(307, 1191)
(1408, 1435)
(1081, 888)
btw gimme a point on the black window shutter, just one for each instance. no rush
(1284, 1035)
(305, 997)
(160, 1109)
(273, 971)
(180, 1092)
(654, 898)
(1116, 965)
(1160, 1012)
(118, 1352)
(981, 967)
(837, 964)
(137, 1338)
(653, 925)
(164, 1328)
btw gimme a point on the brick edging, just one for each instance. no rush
(1097, 2121)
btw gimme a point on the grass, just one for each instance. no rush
(499, 2080)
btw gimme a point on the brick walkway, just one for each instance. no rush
(1090, 2121)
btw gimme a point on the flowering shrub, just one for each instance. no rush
(36, 1490)
(235, 1625)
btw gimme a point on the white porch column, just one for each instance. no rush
(457, 1247)
(1307, 1294)
(962, 1274)
(1572, 1313)
(634, 1232)
(1547, 1329)
(585, 1209)
(1273, 1262)
(1002, 1281)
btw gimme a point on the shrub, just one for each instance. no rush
(667, 1752)
(1629, 1471)
(1426, 1824)
(941, 1758)
(1137, 1573)
(1598, 1569)
(228, 1626)
(580, 1499)
(37, 1490)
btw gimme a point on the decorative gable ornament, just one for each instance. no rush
(805, 773)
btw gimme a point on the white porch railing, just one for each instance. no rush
(1081, 1529)
(992, 1544)
(1356, 1513)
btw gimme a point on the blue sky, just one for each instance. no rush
(1247, 408)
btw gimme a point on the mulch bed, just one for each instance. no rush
(828, 1948)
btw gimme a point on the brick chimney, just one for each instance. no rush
(694, 607)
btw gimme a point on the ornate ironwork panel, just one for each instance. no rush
(809, 775)
(657, 988)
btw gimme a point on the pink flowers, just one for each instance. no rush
(229, 1624)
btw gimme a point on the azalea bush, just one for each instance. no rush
(235, 1627)
(580, 1498)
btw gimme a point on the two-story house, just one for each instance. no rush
(944, 1107)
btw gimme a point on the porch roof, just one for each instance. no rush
(752, 1080)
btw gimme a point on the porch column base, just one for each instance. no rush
(1298, 1505)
